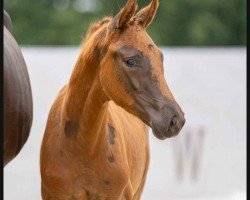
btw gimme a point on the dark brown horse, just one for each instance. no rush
(18, 106)
(96, 141)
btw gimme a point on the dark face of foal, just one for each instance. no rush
(132, 72)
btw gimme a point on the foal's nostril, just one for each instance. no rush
(173, 122)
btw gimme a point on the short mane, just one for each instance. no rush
(96, 26)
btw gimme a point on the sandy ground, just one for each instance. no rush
(210, 86)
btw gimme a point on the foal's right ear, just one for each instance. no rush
(146, 15)
(124, 16)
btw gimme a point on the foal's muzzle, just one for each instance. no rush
(168, 122)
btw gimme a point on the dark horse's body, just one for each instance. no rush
(18, 106)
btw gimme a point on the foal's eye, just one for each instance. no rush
(130, 63)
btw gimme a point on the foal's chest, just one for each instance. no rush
(119, 154)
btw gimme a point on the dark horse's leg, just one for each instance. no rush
(18, 106)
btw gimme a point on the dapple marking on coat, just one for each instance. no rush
(96, 141)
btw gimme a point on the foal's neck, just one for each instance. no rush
(84, 97)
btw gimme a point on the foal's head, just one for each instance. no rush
(131, 69)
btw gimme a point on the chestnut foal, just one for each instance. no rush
(96, 142)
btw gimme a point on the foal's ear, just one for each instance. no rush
(146, 15)
(124, 16)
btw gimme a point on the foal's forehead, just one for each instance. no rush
(138, 38)
(136, 35)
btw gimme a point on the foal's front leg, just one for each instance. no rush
(128, 192)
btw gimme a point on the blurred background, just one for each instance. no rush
(204, 46)
(178, 22)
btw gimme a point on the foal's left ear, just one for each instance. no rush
(146, 15)
(124, 16)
